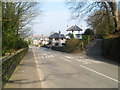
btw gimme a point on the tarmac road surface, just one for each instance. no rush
(45, 68)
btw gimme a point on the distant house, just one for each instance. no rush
(57, 39)
(37, 40)
(75, 30)
(44, 40)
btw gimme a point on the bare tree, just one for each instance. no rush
(17, 16)
(80, 8)
(102, 25)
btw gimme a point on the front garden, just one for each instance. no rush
(73, 45)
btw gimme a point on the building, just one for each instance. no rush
(44, 40)
(75, 30)
(35, 41)
(57, 39)
(39, 40)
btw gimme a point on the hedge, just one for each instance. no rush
(57, 48)
(111, 48)
(73, 45)
(9, 64)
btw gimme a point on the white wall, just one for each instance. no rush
(74, 33)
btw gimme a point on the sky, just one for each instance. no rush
(55, 17)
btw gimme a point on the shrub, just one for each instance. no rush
(73, 45)
(62, 49)
(71, 35)
(89, 32)
(41, 44)
(20, 43)
(13, 45)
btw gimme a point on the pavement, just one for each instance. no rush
(45, 68)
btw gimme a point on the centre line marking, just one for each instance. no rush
(65, 59)
(68, 57)
(100, 73)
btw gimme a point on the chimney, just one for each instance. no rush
(59, 32)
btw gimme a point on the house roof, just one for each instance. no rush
(57, 35)
(74, 28)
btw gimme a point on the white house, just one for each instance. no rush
(36, 40)
(44, 40)
(57, 39)
(75, 30)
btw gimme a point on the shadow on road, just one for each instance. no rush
(94, 51)
(22, 81)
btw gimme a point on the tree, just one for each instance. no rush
(89, 32)
(71, 35)
(101, 25)
(16, 17)
(83, 7)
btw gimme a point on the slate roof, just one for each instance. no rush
(57, 35)
(74, 28)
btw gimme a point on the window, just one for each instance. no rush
(56, 38)
(78, 35)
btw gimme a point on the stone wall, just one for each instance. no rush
(9, 64)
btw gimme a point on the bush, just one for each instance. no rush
(89, 32)
(71, 35)
(74, 45)
(20, 43)
(87, 39)
(62, 49)
(13, 45)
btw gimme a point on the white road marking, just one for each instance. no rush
(40, 74)
(88, 61)
(65, 59)
(68, 57)
(45, 56)
(83, 61)
(100, 73)
(52, 55)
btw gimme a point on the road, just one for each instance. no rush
(53, 69)
(74, 71)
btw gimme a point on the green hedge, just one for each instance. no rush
(9, 64)
(13, 45)
(71, 45)
(62, 49)
(111, 48)
(74, 45)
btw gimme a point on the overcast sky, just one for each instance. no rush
(55, 17)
